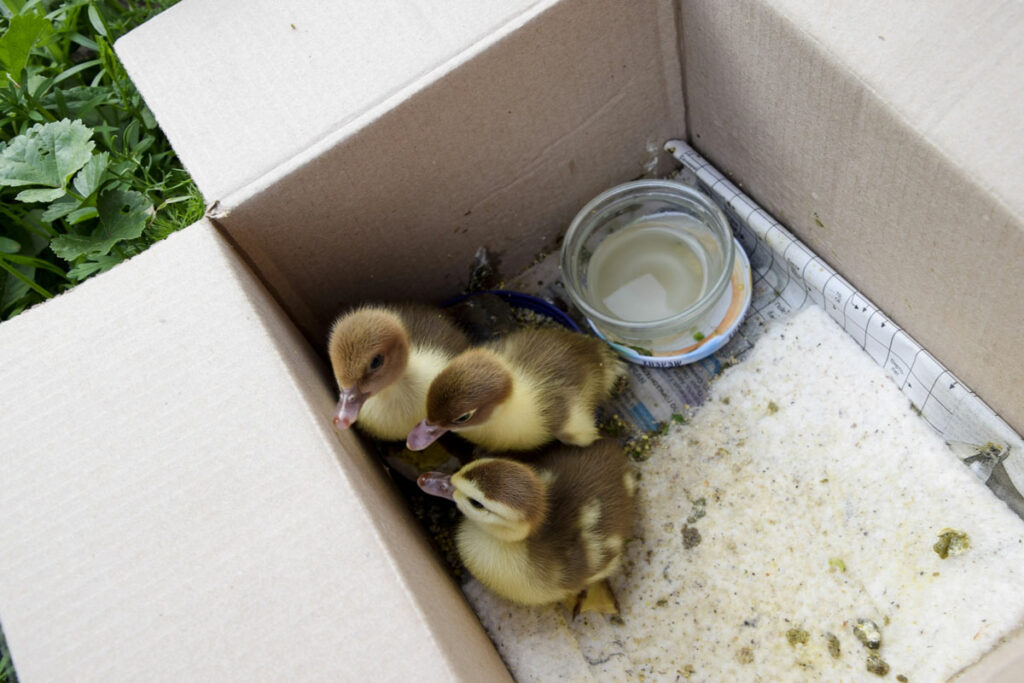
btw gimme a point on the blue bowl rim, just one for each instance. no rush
(521, 300)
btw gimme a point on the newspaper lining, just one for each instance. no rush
(787, 276)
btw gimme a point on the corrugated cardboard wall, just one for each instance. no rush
(500, 153)
(783, 98)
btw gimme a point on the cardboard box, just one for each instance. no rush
(179, 505)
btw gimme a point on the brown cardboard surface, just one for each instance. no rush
(176, 505)
(1002, 665)
(879, 160)
(273, 78)
(501, 153)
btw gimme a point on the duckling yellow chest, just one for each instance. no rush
(394, 411)
(516, 424)
(507, 569)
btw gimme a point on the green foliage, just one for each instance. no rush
(87, 179)
(7, 674)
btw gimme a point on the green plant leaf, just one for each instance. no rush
(10, 7)
(12, 290)
(98, 264)
(47, 154)
(83, 214)
(23, 34)
(123, 215)
(60, 208)
(96, 20)
(34, 263)
(9, 246)
(41, 194)
(88, 180)
(26, 279)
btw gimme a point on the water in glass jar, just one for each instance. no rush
(653, 269)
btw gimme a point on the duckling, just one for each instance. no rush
(521, 391)
(546, 530)
(384, 358)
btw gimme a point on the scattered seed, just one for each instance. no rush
(951, 542)
(797, 636)
(698, 510)
(833, 645)
(876, 664)
(868, 633)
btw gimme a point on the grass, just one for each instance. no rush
(7, 674)
(87, 179)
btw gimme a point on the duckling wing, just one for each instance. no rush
(590, 489)
(571, 374)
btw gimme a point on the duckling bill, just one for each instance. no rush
(545, 531)
(522, 391)
(384, 358)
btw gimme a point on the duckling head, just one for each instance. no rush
(369, 350)
(503, 497)
(463, 395)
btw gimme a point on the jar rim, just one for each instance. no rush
(670, 190)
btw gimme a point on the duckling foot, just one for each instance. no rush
(597, 597)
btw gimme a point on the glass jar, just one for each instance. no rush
(648, 263)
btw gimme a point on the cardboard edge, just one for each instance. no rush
(1003, 664)
(352, 123)
(395, 537)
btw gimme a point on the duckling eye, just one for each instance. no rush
(464, 417)
(476, 503)
(376, 362)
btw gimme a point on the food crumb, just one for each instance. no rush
(868, 633)
(698, 510)
(876, 665)
(797, 636)
(951, 542)
(773, 407)
(833, 645)
(745, 655)
(691, 537)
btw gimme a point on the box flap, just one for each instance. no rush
(886, 140)
(240, 86)
(176, 505)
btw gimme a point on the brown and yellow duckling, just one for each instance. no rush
(545, 531)
(384, 358)
(522, 391)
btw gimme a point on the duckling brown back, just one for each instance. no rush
(590, 511)
(428, 325)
